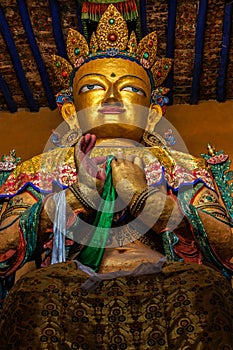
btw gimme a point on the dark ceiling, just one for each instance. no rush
(197, 34)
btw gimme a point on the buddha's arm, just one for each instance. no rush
(10, 217)
(73, 205)
(216, 221)
(12, 238)
(162, 212)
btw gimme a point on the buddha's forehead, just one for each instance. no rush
(112, 69)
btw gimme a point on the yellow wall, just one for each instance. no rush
(199, 124)
(27, 132)
(206, 122)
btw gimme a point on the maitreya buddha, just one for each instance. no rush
(130, 238)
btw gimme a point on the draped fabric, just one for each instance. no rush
(186, 306)
(92, 254)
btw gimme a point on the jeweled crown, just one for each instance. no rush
(111, 39)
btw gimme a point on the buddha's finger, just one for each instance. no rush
(84, 142)
(130, 158)
(114, 163)
(120, 156)
(90, 143)
(101, 175)
(99, 159)
(139, 162)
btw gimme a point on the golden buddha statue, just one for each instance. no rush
(130, 237)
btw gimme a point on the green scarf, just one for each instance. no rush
(92, 254)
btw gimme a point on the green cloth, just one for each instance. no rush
(29, 223)
(92, 254)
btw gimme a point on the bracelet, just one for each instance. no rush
(13, 211)
(16, 206)
(81, 196)
(140, 200)
(11, 223)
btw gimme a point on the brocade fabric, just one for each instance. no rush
(184, 307)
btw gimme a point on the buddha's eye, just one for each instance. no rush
(90, 87)
(134, 89)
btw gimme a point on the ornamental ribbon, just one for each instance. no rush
(92, 254)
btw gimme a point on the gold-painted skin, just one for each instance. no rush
(111, 83)
(180, 307)
(112, 99)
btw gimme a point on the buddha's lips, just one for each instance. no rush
(111, 110)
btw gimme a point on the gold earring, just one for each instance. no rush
(71, 137)
(75, 133)
(151, 137)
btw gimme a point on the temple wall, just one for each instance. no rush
(210, 121)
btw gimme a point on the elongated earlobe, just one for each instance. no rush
(69, 114)
(150, 137)
(154, 116)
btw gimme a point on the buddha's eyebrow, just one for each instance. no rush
(102, 75)
(86, 75)
(132, 76)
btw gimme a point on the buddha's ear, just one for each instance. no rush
(69, 114)
(154, 116)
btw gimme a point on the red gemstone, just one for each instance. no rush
(73, 40)
(159, 74)
(150, 44)
(112, 37)
(64, 74)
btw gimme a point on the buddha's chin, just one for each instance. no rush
(113, 130)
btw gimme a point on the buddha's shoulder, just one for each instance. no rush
(46, 161)
(189, 160)
(172, 158)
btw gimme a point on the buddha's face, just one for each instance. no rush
(112, 96)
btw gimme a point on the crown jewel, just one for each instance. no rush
(111, 39)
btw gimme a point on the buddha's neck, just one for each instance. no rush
(116, 142)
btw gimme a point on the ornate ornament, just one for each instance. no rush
(218, 159)
(169, 137)
(220, 166)
(112, 30)
(161, 69)
(132, 44)
(71, 137)
(111, 39)
(9, 162)
(147, 48)
(161, 90)
(76, 45)
(93, 44)
(62, 70)
(153, 139)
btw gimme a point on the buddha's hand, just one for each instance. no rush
(129, 178)
(87, 168)
(90, 182)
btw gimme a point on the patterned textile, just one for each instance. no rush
(177, 169)
(185, 307)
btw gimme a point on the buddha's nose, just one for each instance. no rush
(112, 98)
(111, 101)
